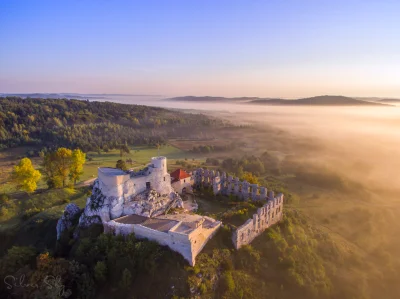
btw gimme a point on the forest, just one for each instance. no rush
(90, 126)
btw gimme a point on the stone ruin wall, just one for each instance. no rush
(228, 185)
(189, 246)
(266, 216)
(177, 242)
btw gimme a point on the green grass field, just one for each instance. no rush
(46, 205)
(141, 156)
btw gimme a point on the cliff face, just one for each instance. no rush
(148, 203)
(67, 220)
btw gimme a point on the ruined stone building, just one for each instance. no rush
(127, 202)
(267, 215)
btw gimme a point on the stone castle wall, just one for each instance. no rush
(228, 185)
(267, 215)
(188, 245)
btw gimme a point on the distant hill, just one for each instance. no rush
(325, 100)
(389, 101)
(317, 101)
(211, 99)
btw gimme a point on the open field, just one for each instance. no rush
(9, 158)
(141, 156)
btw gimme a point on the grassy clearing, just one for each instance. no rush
(44, 205)
(140, 155)
(32, 220)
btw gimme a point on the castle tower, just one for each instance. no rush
(160, 163)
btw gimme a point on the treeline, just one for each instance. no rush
(91, 125)
(256, 165)
(204, 149)
(269, 165)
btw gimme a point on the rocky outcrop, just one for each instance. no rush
(67, 220)
(148, 203)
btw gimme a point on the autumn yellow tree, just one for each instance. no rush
(63, 163)
(25, 175)
(78, 158)
(249, 177)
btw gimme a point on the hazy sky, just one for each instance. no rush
(228, 48)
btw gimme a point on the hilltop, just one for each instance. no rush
(326, 100)
(389, 101)
(211, 99)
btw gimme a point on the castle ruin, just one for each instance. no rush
(126, 202)
(267, 215)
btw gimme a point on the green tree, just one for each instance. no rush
(228, 284)
(126, 279)
(123, 149)
(240, 172)
(76, 169)
(25, 175)
(57, 166)
(121, 165)
(16, 258)
(100, 271)
(49, 171)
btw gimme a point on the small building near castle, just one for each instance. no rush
(181, 181)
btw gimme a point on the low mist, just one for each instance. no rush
(361, 143)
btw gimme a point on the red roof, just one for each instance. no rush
(179, 174)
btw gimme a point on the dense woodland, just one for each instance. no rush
(91, 125)
(291, 260)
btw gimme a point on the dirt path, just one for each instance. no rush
(86, 183)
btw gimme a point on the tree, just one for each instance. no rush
(63, 163)
(240, 172)
(76, 170)
(100, 271)
(121, 165)
(16, 258)
(249, 177)
(227, 283)
(49, 170)
(25, 175)
(126, 279)
(123, 149)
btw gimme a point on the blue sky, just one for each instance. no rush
(226, 48)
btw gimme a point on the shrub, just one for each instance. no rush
(126, 279)
(203, 288)
(4, 199)
(100, 271)
(227, 282)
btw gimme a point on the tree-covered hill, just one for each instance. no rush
(91, 125)
(326, 100)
